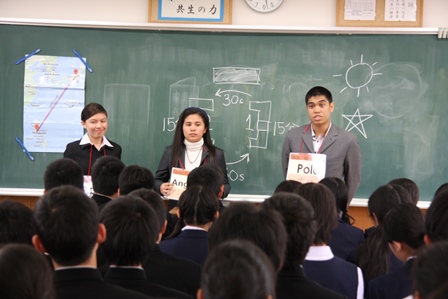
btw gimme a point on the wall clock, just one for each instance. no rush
(264, 5)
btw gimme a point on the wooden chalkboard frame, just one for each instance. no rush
(379, 17)
(153, 14)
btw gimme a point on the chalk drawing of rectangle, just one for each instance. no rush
(236, 75)
(263, 112)
(204, 104)
(180, 94)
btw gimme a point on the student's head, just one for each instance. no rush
(94, 120)
(24, 273)
(441, 188)
(237, 269)
(105, 173)
(436, 218)
(430, 269)
(155, 201)
(198, 205)
(324, 206)
(383, 199)
(209, 175)
(132, 230)
(340, 192)
(67, 225)
(319, 105)
(263, 227)
(286, 186)
(404, 230)
(410, 186)
(298, 217)
(63, 171)
(134, 177)
(16, 223)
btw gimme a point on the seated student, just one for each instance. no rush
(430, 270)
(68, 228)
(134, 177)
(410, 186)
(63, 172)
(132, 229)
(441, 188)
(320, 264)
(436, 218)
(161, 268)
(374, 256)
(344, 238)
(105, 173)
(24, 273)
(237, 269)
(244, 221)
(403, 229)
(164, 269)
(287, 186)
(198, 208)
(298, 217)
(16, 223)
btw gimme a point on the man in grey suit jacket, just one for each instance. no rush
(321, 136)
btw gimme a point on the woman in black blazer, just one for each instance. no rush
(192, 146)
(94, 143)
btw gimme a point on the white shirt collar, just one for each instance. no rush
(86, 140)
(314, 134)
(75, 267)
(319, 253)
(192, 228)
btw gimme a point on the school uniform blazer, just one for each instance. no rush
(345, 239)
(163, 172)
(341, 148)
(190, 244)
(169, 271)
(86, 283)
(292, 283)
(135, 279)
(397, 284)
(81, 153)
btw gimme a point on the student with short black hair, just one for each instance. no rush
(16, 223)
(63, 172)
(134, 177)
(345, 238)
(132, 230)
(68, 228)
(24, 273)
(320, 263)
(198, 209)
(237, 269)
(287, 186)
(161, 268)
(298, 217)
(410, 186)
(430, 270)
(403, 230)
(105, 173)
(436, 218)
(264, 228)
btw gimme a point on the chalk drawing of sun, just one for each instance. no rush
(358, 76)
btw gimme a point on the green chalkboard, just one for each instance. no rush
(252, 86)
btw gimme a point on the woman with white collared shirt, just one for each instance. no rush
(94, 143)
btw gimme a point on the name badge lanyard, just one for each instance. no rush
(90, 159)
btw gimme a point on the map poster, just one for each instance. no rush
(53, 95)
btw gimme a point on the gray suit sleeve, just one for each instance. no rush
(353, 163)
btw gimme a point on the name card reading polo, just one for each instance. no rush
(306, 168)
(179, 180)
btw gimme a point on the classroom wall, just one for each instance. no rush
(291, 13)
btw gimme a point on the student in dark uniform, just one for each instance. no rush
(192, 146)
(94, 143)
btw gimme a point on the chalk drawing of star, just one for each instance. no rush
(358, 125)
